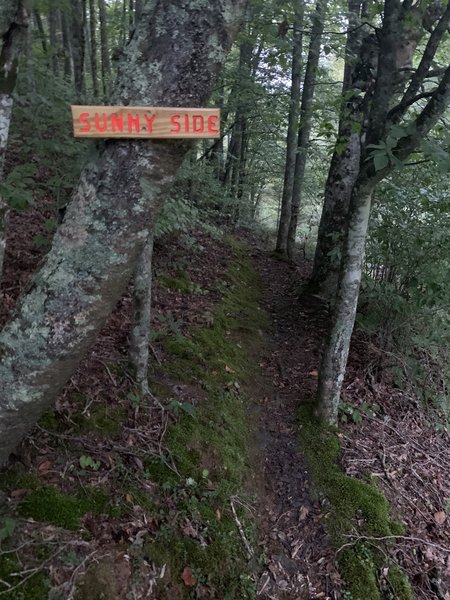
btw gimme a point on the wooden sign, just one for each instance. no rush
(143, 122)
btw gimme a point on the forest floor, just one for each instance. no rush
(210, 490)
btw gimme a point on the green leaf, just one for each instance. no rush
(7, 528)
(188, 408)
(380, 161)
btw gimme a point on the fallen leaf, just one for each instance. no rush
(187, 577)
(440, 517)
(304, 512)
(314, 373)
(188, 530)
(228, 369)
(45, 466)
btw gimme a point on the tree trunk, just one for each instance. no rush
(124, 29)
(53, 37)
(291, 141)
(305, 121)
(137, 10)
(376, 115)
(130, 17)
(140, 332)
(342, 173)
(67, 47)
(93, 34)
(112, 211)
(40, 27)
(78, 46)
(237, 143)
(334, 361)
(106, 64)
(14, 22)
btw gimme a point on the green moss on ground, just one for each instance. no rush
(102, 419)
(210, 447)
(51, 505)
(35, 588)
(355, 508)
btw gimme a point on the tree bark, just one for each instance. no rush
(305, 121)
(93, 37)
(342, 173)
(334, 360)
(112, 211)
(53, 37)
(106, 64)
(67, 47)
(141, 329)
(236, 152)
(137, 10)
(130, 17)
(292, 132)
(14, 22)
(78, 46)
(337, 348)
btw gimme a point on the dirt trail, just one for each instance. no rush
(299, 562)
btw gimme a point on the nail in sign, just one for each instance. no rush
(143, 122)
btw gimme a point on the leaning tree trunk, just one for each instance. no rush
(334, 360)
(141, 328)
(112, 211)
(291, 141)
(14, 22)
(305, 121)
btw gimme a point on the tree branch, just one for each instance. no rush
(433, 111)
(401, 108)
(427, 58)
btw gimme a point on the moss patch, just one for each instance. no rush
(51, 505)
(35, 588)
(102, 419)
(210, 445)
(355, 508)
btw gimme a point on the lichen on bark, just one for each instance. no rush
(109, 218)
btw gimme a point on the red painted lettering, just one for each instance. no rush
(117, 122)
(176, 126)
(186, 124)
(150, 121)
(100, 126)
(84, 121)
(198, 123)
(134, 122)
(213, 125)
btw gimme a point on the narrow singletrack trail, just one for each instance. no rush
(299, 561)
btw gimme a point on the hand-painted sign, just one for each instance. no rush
(143, 122)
